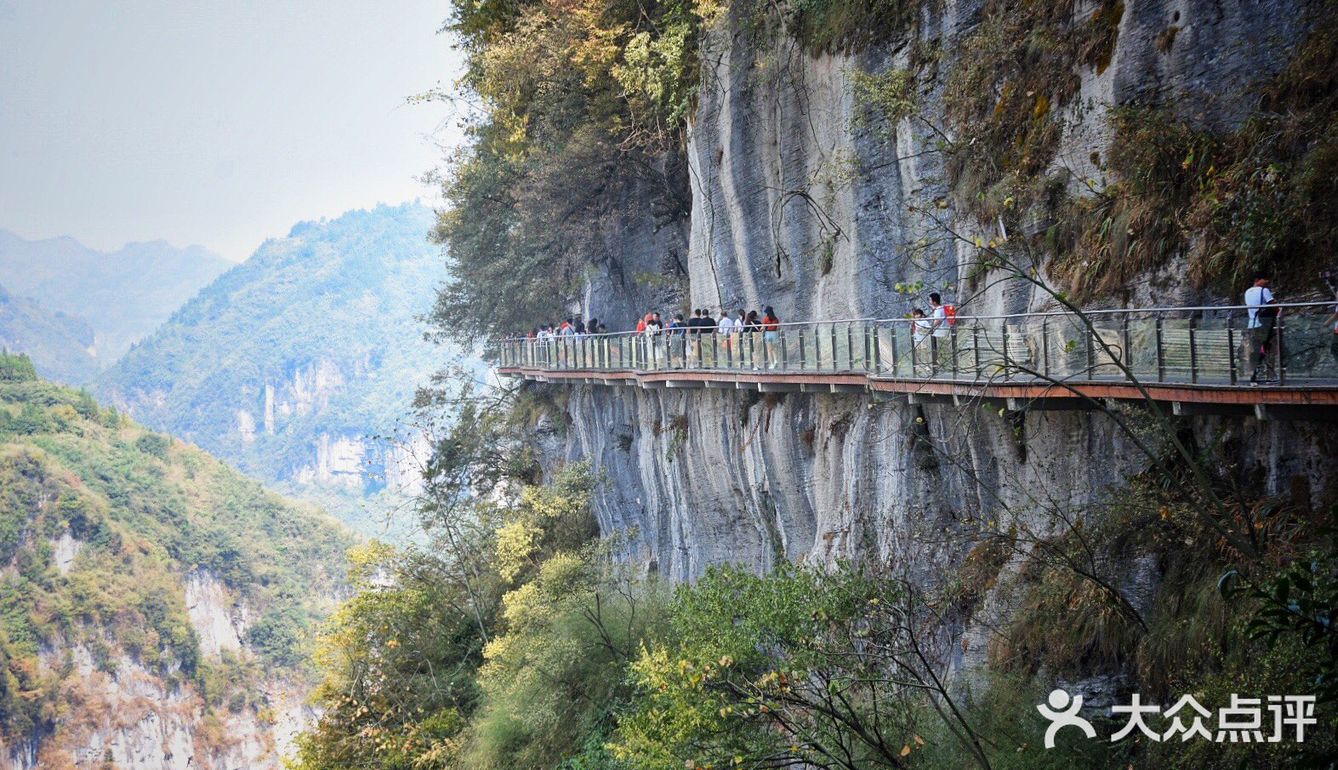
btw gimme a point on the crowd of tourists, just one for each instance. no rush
(931, 329)
(701, 322)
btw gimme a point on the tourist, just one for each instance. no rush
(941, 346)
(677, 332)
(771, 335)
(725, 328)
(921, 329)
(694, 345)
(1261, 325)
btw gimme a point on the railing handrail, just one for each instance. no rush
(693, 331)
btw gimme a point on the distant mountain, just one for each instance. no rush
(123, 295)
(58, 344)
(293, 364)
(157, 605)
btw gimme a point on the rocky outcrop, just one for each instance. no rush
(136, 718)
(218, 620)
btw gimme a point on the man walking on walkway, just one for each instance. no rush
(1263, 320)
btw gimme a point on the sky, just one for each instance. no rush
(220, 123)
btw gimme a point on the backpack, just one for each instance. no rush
(950, 314)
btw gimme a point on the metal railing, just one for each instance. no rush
(1196, 345)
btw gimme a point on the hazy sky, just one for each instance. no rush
(220, 123)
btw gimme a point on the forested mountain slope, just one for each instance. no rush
(155, 605)
(123, 295)
(293, 362)
(58, 344)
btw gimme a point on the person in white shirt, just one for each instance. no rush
(724, 328)
(921, 329)
(938, 321)
(1261, 325)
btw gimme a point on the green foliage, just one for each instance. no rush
(16, 368)
(829, 26)
(399, 659)
(786, 668)
(884, 99)
(435, 663)
(154, 444)
(584, 110)
(553, 682)
(134, 516)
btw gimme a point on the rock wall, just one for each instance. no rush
(694, 478)
(799, 205)
(801, 202)
(121, 712)
(349, 461)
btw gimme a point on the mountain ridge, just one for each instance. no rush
(291, 364)
(124, 294)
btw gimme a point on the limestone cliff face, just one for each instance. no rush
(347, 460)
(800, 202)
(129, 716)
(798, 205)
(707, 477)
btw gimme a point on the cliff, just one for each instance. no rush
(825, 183)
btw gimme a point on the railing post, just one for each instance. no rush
(1089, 334)
(952, 336)
(850, 348)
(894, 352)
(1193, 352)
(916, 352)
(1281, 325)
(869, 348)
(784, 353)
(1045, 346)
(1126, 344)
(875, 354)
(1161, 352)
(803, 359)
(834, 350)
(975, 349)
(1003, 330)
(1232, 363)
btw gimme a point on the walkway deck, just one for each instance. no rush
(1188, 359)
